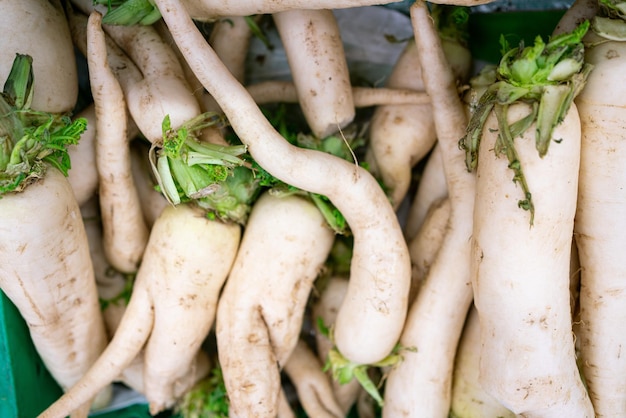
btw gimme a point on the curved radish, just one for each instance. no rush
(260, 311)
(125, 232)
(47, 40)
(380, 270)
(319, 68)
(184, 266)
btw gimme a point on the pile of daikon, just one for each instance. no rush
(445, 244)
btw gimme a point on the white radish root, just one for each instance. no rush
(400, 136)
(125, 232)
(425, 246)
(431, 188)
(83, 176)
(319, 68)
(56, 295)
(469, 399)
(261, 309)
(325, 309)
(600, 228)
(436, 317)
(521, 274)
(185, 264)
(275, 91)
(47, 39)
(209, 10)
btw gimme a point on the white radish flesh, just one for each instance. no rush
(83, 176)
(469, 399)
(431, 188)
(325, 308)
(275, 91)
(400, 136)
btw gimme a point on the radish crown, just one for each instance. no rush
(609, 23)
(189, 170)
(29, 139)
(547, 76)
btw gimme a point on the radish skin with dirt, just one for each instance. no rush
(600, 227)
(125, 232)
(526, 158)
(401, 136)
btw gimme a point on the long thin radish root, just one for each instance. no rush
(57, 296)
(261, 309)
(276, 91)
(125, 231)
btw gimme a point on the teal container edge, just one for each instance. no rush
(26, 386)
